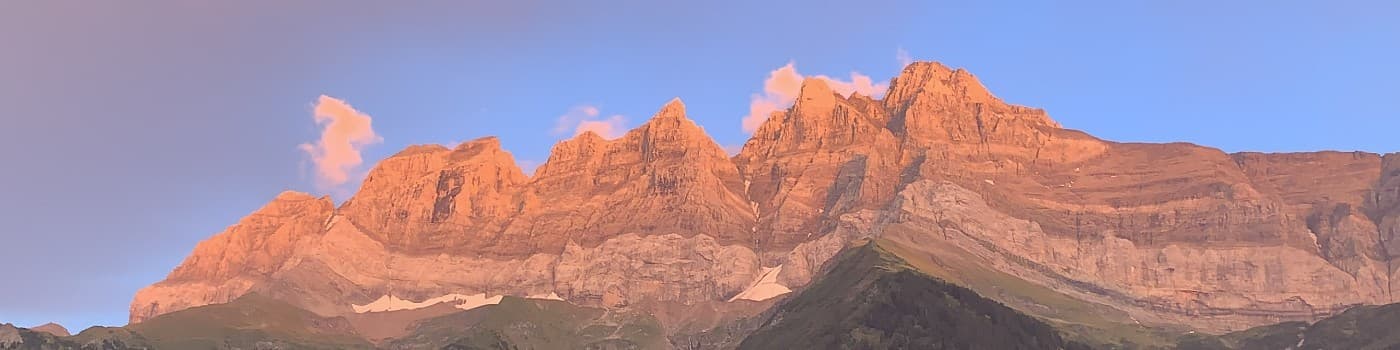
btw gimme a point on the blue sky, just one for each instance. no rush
(132, 130)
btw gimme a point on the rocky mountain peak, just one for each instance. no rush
(666, 165)
(815, 96)
(226, 264)
(293, 196)
(273, 229)
(51, 328)
(482, 143)
(438, 194)
(420, 149)
(669, 130)
(585, 145)
(669, 135)
(488, 148)
(934, 106)
(674, 109)
(819, 117)
(934, 80)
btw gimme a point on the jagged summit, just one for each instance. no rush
(675, 108)
(291, 195)
(484, 141)
(936, 83)
(51, 328)
(670, 125)
(815, 94)
(420, 149)
(489, 146)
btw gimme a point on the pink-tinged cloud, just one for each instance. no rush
(570, 120)
(584, 118)
(344, 133)
(783, 85)
(610, 128)
(779, 90)
(859, 83)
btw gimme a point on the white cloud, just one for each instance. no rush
(859, 83)
(779, 90)
(573, 117)
(584, 118)
(609, 128)
(345, 132)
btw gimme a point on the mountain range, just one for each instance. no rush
(937, 216)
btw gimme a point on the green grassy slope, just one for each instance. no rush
(1359, 328)
(251, 321)
(873, 299)
(1087, 322)
(518, 323)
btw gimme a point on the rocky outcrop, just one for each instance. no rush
(429, 199)
(1172, 233)
(825, 156)
(1328, 192)
(631, 269)
(232, 262)
(946, 114)
(1383, 205)
(51, 328)
(664, 177)
(1212, 287)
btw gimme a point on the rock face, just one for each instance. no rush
(51, 328)
(1171, 233)
(658, 215)
(665, 177)
(825, 156)
(245, 255)
(434, 195)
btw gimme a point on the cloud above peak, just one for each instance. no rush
(609, 128)
(585, 118)
(783, 85)
(573, 117)
(344, 133)
(903, 57)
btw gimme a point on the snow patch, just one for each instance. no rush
(330, 222)
(460, 301)
(765, 287)
(550, 296)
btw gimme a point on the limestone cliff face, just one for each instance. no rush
(664, 177)
(1209, 287)
(825, 156)
(229, 264)
(950, 115)
(1383, 206)
(658, 215)
(429, 199)
(1328, 193)
(1171, 233)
